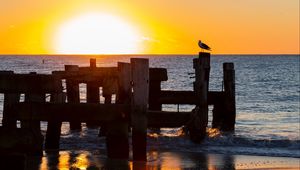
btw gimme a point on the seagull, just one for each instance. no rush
(203, 46)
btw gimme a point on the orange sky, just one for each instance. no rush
(164, 27)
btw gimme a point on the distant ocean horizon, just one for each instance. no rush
(56, 55)
(267, 99)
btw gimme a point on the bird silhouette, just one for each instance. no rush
(203, 46)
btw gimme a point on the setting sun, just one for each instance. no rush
(146, 27)
(96, 33)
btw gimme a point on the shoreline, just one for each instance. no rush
(161, 159)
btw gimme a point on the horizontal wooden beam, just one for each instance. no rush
(158, 119)
(215, 97)
(98, 74)
(93, 112)
(158, 74)
(177, 97)
(87, 74)
(68, 111)
(187, 97)
(29, 83)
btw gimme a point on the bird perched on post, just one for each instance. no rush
(203, 46)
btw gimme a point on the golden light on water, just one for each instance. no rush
(97, 33)
(213, 132)
(82, 162)
(64, 161)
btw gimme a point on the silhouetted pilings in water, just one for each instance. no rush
(73, 95)
(137, 105)
(224, 112)
(199, 118)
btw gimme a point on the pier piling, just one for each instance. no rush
(137, 105)
(117, 131)
(229, 88)
(140, 83)
(54, 126)
(73, 94)
(9, 100)
(199, 119)
(92, 92)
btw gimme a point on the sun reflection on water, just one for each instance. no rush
(64, 159)
(213, 132)
(82, 162)
(156, 160)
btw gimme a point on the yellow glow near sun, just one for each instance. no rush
(96, 33)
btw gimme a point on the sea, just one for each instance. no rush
(267, 102)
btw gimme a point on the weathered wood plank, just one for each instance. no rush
(154, 95)
(54, 127)
(33, 97)
(34, 124)
(9, 100)
(69, 111)
(124, 83)
(158, 74)
(73, 95)
(92, 93)
(117, 133)
(164, 119)
(92, 96)
(86, 74)
(187, 97)
(93, 63)
(109, 86)
(140, 81)
(28, 83)
(177, 97)
(229, 88)
(8, 119)
(197, 129)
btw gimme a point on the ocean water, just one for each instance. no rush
(267, 101)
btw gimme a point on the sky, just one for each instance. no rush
(149, 27)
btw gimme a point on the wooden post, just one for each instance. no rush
(229, 87)
(109, 87)
(107, 100)
(92, 96)
(33, 97)
(92, 92)
(117, 133)
(156, 76)
(9, 100)
(35, 126)
(154, 95)
(93, 63)
(199, 120)
(54, 127)
(73, 94)
(140, 81)
(218, 112)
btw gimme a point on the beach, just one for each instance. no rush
(169, 160)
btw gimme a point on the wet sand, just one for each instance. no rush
(160, 160)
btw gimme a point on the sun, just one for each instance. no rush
(96, 33)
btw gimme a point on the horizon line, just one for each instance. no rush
(157, 54)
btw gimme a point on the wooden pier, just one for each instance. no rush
(133, 99)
